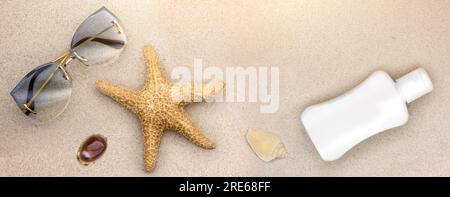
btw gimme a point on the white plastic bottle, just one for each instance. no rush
(377, 104)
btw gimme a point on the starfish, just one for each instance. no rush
(159, 109)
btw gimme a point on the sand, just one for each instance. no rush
(322, 49)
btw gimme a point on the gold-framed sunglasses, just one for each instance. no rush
(44, 93)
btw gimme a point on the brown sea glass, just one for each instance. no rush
(92, 149)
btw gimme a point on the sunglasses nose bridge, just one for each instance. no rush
(63, 61)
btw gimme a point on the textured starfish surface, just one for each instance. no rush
(159, 108)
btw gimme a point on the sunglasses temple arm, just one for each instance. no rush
(64, 59)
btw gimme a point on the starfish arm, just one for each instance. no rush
(121, 95)
(183, 125)
(155, 74)
(185, 94)
(152, 139)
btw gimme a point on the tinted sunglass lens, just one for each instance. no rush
(105, 46)
(52, 99)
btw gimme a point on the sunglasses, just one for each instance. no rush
(44, 93)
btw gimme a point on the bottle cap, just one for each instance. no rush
(414, 85)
